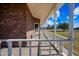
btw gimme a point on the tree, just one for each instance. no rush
(77, 28)
(49, 27)
(63, 26)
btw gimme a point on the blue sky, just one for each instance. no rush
(63, 15)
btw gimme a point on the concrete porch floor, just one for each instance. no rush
(25, 50)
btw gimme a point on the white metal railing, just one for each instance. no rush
(62, 48)
(0, 48)
(30, 48)
(59, 44)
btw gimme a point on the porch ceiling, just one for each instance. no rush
(43, 11)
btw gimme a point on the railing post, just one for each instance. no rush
(39, 48)
(49, 48)
(60, 48)
(30, 51)
(9, 48)
(57, 44)
(71, 29)
(20, 51)
(0, 48)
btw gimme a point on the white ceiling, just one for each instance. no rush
(43, 11)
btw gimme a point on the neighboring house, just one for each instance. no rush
(59, 29)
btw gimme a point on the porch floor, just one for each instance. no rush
(34, 48)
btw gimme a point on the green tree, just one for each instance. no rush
(63, 26)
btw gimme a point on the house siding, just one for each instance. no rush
(16, 21)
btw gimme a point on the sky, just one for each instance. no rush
(63, 15)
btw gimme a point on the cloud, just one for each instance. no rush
(58, 13)
(76, 25)
(75, 17)
(67, 17)
(76, 11)
(49, 22)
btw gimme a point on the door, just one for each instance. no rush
(36, 25)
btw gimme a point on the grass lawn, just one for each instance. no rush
(76, 41)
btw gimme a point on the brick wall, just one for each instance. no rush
(16, 21)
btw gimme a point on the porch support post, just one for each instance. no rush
(39, 30)
(54, 26)
(39, 43)
(45, 27)
(71, 29)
